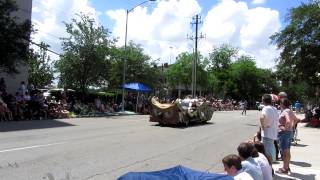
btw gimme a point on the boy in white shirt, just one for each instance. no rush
(232, 165)
(261, 159)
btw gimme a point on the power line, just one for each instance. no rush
(44, 47)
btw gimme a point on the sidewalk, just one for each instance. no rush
(305, 156)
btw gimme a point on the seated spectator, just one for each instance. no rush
(2, 111)
(257, 136)
(18, 97)
(263, 162)
(25, 111)
(232, 165)
(249, 165)
(12, 105)
(27, 96)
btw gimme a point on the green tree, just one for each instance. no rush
(221, 57)
(13, 38)
(244, 78)
(40, 72)
(180, 73)
(299, 42)
(139, 67)
(86, 58)
(220, 60)
(268, 81)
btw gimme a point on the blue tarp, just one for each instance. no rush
(137, 87)
(175, 173)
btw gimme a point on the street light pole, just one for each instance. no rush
(125, 50)
(124, 61)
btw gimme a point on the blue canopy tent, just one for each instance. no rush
(175, 173)
(139, 87)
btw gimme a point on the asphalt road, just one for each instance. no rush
(105, 148)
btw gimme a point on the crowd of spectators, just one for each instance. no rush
(275, 136)
(224, 105)
(29, 104)
(139, 103)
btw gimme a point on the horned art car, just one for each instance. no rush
(181, 111)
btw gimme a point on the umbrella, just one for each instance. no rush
(274, 97)
(137, 87)
(175, 173)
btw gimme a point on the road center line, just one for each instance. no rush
(30, 147)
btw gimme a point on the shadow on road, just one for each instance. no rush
(299, 145)
(255, 125)
(34, 124)
(182, 126)
(295, 176)
(301, 164)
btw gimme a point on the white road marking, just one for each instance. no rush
(30, 147)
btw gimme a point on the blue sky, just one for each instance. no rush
(161, 27)
(280, 5)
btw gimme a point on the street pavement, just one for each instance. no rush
(107, 147)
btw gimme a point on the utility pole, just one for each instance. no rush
(195, 20)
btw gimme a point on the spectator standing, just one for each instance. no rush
(22, 88)
(3, 85)
(244, 106)
(297, 106)
(269, 126)
(97, 102)
(287, 122)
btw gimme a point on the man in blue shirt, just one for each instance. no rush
(297, 106)
(249, 165)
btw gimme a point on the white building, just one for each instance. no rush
(13, 81)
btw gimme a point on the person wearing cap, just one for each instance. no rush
(282, 95)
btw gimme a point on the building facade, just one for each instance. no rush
(13, 80)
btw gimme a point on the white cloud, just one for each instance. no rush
(48, 17)
(234, 23)
(229, 21)
(258, 1)
(166, 26)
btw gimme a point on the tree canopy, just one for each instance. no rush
(298, 67)
(40, 72)
(299, 42)
(86, 58)
(14, 38)
(139, 67)
(180, 73)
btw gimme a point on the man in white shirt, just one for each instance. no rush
(269, 120)
(232, 165)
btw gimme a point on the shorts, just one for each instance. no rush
(269, 147)
(285, 138)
